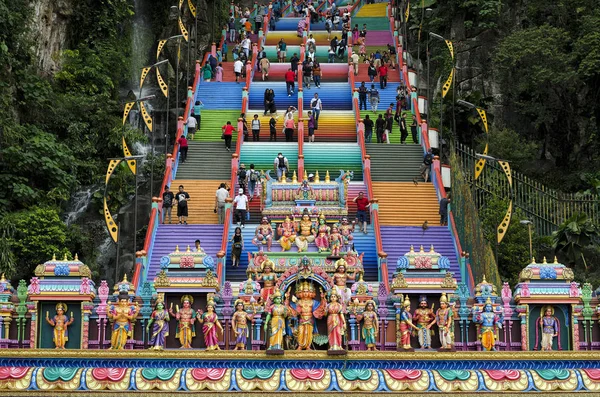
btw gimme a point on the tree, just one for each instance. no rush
(573, 236)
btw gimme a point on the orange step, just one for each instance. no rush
(406, 204)
(202, 199)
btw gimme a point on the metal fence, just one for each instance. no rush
(545, 207)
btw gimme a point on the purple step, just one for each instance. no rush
(398, 239)
(170, 236)
(379, 37)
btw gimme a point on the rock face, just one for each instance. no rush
(50, 19)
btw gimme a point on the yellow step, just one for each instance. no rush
(406, 204)
(202, 199)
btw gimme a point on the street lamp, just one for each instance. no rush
(449, 82)
(529, 226)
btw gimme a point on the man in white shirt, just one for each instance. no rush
(237, 69)
(191, 123)
(316, 106)
(220, 197)
(355, 60)
(241, 206)
(246, 44)
(310, 41)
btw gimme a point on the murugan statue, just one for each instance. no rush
(424, 319)
(287, 233)
(549, 326)
(444, 317)
(404, 319)
(336, 321)
(347, 229)
(122, 315)
(61, 323)
(268, 277)
(322, 239)
(305, 307)
(210, 325)
(306, 233)
(340, 278)
(370, 327)
(239, 323)
(489, 322)
(275, 321)
(335, 241)
(159, 321)
(185, 321)
(263, 234)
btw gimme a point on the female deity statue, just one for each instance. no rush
(268, 277)
(263, 234)
(239, 322)
(549, 326)
(347, 229)
(336, 321)
(159, 321)
(210, 324)
(322, 239)
(306, 232)
(275, 321)
(404, 321)
(444, 317)
(305, 190)
(340, 278)
(370, 326)
(304, 305)
(61, 323)
(287, 231)
(122, 315)
(335, 241)
(185, 321)
(489, 322)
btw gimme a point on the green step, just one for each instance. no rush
(333, 157)
(206, 160)
(381, 23)
(395, 135)
(262, 155)
(395, 163)
(211, 123)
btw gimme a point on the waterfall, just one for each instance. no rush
(79, 203)
(142, 40)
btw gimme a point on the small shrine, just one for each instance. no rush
(549, 306)
(186, 271)
(61, 293)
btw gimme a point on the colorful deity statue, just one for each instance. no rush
(489, 322)
(210, 326)
(335, 241)
(444, 317)
(424, 319)
(322, 239)
(306, 232)
(185, 321)
(370, 327)
(268, 277)
(347, 229)
(263, 234)
(404, 319)
(549, 327)
(159, 323)
(287, 231)
(336, 321)
(340, 278)
(305, 190)
(122, 315)
(61, 323)
(239, 323)
(305, 307)
(275, 322)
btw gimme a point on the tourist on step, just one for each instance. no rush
(362, 203)
(444, 210)
(414, 131)
(246, 46)
(317, 73)
(403, 129)
(362, 96)
(219, 73)
(207, 72)
(197, 113)
(167, 204)
(383, 76)
(183, 148)
(255, 128)
(294, 63)
(242, 176)
(307, 72)
(374, 98)
(227, 133)
(281, 165)
(289, 126)
(282, 47)
(236, 247)
(241, 206)
(311, 127)
(238, 65)
(273, 129)
(182, 205)
(316, 106)
(265, 64)
(426, 166)
(220, 197)
(372, 71)
(290, 77)
(191, 123)
(253, 178)
(355, 60)
(244, 126)
(368, 128)
(379, 128)
(231, 26)
(310, 41)
(197, 247)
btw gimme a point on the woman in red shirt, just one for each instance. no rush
(290, 126)
(227, 134)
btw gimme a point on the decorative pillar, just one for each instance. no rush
(103, 292)
(86, 311)
(382, 312)
(523, 311)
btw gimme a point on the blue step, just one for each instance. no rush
(228, 96)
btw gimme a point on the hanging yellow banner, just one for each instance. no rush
(483, 116)
(506, 168)
(407, 12)
(144, 74)
(183, 30)
(161, 83)
(111, 225)
(450, 47)
(503, 226)
(180, 4)
(111, 168)
(127, 153)
(447, 84)
(480, 163)
(161, 44)
(126, 111)
(192, 8)
(146, 116)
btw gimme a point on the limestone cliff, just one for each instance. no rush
(49, 25)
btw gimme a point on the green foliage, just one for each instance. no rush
(575, 234)
(506, 144)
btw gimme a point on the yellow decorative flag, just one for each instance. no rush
(180, 4)
(126, 111)
(407, 12)
(483, 116)
(111, 225)
(183, 30)
(480, 163)
(450, 47)
(503, 226)
(127, 153)
(146, 116)
(161, 83)
(161, 44)
(192, 8)
(447, 84)
(506, 168)
(144, 74)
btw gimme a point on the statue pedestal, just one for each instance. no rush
(336, 352)
(274, 352)
(450, 349)
(402, 349)
(305, 203)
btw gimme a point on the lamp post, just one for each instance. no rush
(529, 226)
